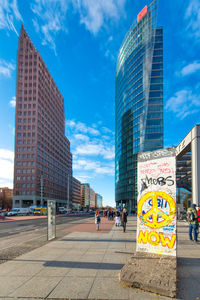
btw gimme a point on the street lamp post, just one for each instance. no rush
(41, 190)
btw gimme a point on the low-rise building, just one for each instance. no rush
(92, 199)
(6, 196)
(76, 193)
(85, 195)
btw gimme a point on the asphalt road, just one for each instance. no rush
(19, 237)
(17, 227)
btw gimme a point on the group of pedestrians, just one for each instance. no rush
(120, 218)
(193, 218)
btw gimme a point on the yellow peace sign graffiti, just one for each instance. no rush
(155, 212)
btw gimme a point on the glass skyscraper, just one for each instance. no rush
(138, 101)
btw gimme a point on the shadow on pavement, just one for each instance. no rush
(75, 264)
(188, 285)
(95, 240)
(83, 265)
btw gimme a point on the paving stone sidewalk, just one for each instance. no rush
(85, 265)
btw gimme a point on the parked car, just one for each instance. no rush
(13, 212)
(22, 211)
(62, 210)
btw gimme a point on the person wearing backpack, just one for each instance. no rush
(192, 218)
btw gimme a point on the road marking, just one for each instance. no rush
(45, 228)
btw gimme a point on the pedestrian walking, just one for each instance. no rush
(198, 214)
(112, 215)
(192, 218)
(97, 220)
(124, 219)
(117, 218)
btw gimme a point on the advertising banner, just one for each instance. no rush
(156, 206)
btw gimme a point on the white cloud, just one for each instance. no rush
(81, 127)
(88, 149)
(96, 149)
(107, 130)
(106, 171)
(89, 141)
(49, 19)
(81, 137)
(81, 164)
(192, 17)
(96, 167)
(6, 68)
(7, 154)
(190, 68)
(184, 103)
(93, 154)
(83, 178)
(9, 13)
(6, 167)
(13, 102)
(70, 123)
(94, 14)
(50, 16)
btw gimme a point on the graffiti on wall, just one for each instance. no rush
(156, 217)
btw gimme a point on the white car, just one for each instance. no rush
(13, 212)
(19, 211)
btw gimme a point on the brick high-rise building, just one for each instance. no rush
(43, 162)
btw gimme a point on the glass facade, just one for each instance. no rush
(138, 102)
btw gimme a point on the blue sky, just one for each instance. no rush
(79, 41)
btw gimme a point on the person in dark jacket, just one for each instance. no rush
(124, 219)
(192, 218)
(198, 213)
(117, 218)
(97, 220)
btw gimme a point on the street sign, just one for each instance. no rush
(51, 230)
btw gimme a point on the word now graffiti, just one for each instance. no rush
(157, 181)
(155, 238)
